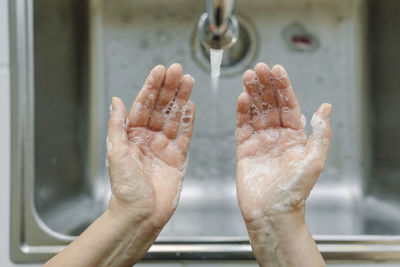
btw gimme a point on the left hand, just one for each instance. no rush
(147, 150)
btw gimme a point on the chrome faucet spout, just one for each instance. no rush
(219, 13)
(218, 27)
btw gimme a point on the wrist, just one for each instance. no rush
(283, 239)
(276, 221)
(135, 236)
(282, 227)
(135, 213)
(131, 219)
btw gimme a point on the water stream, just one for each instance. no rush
(214, 103)
(215, 59)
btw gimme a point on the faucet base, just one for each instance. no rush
(239, 57)
(217, 41)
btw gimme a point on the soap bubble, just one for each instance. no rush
(285, 109)
(108, 144)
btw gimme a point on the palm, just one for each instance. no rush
(277, 165)
(271, 170)
(147, 164)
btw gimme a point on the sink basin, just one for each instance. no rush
(70, 57)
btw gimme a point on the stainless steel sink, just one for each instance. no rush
(70, 57)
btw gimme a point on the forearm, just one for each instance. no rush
(112, 240)
(283, 240)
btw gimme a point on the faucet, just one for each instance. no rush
(217, 27)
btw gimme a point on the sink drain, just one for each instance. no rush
(236, 59)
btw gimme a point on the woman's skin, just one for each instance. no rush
(277, 166)
(146, 156)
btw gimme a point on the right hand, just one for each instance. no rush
(277, 165)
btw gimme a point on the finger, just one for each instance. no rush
(318, 143)
(268, 93)
(186, 127)
(173, 111)
(167, 93)
(243, 118)
(251, 84)
(117, 135)
(289, 106)
(144, 102)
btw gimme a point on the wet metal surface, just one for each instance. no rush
(86, 52)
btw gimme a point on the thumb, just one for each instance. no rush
(117, 133)
(318, 143)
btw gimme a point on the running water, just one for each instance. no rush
(215, 59)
